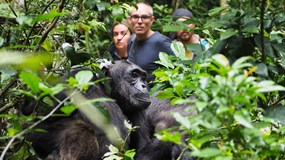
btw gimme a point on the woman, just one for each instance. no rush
(120, 32)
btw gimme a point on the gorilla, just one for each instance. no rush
(159, 117)
(75, 137)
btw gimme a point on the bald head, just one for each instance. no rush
(144, 7)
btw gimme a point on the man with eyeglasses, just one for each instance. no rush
(145, 44)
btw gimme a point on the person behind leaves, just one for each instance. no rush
(145, 44)
(121, 32)
(185, 36)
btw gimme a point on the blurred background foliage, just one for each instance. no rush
(32, 33)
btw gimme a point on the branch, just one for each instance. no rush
(34, 25)
(11, 9)
(60, 7)
(262, 9)
(8, 87)
(6, 106)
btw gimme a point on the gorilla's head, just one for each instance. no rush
(129, 86)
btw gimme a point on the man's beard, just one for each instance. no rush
(185, 36)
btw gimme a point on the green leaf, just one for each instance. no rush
(241, 63)
(171, 28)
(262, 70)
(250, 29)
(68, 109)
(228, 33)
(84, 77)
(206, 152)
(166, 94)
(222, 60)
(277, 113)
(129, 154)
(199, 141)
(268, 86)
(31, 80)
(103, 6)
(165, 135)
(58, 88)
(117, 10)
(216, 11)
(242, 117)
(113, 149)
(1, 41)
(165, 61)
(178, 49)
(48, 16)
(22, 153)
(178, 88)
(280, 47)
(184, 121)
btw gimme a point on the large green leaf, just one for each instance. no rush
(48, 16)
(31, 80)
(228, 33)
(242, 117)
(165, 61)
(269, 86)
(217, 11)
(178, 49)
(84, 77)
(206, 152)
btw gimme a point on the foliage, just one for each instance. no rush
(229, 124)
(240, 101)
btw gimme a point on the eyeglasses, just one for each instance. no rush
(137, 17)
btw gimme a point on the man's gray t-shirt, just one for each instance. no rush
(144, 53)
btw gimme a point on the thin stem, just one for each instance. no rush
(60, 7)
(262, 9)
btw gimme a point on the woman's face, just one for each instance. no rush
(121, 35)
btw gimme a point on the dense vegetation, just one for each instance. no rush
(238, 82)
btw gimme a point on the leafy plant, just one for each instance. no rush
(229, 123)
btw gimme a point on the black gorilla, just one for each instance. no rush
(159, 117)
(75, 137)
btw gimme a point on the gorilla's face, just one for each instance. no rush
(129, 86)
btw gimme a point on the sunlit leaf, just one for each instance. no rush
(165, 94)
(269, 86)
(206, 152)
(216, 11)
(182, 120)
(48, 16)
(68, 109)
(178, 49)
(221, 59)
(165, 61)
(130, 154)
(243, 117)
(84, 77)
(31, 80)
(228, 34)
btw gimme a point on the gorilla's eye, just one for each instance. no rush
(144, 77)
(134, 74)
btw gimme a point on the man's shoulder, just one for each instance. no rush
(158, 37)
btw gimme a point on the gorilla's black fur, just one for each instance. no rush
(159, 117)
(75, 137)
